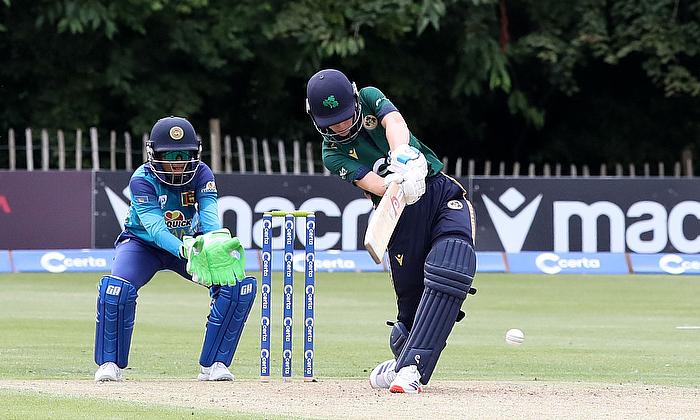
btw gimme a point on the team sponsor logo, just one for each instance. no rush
(209, 188)
(141, 199)
(308, 362)
(455, 205)
(162, 200)
(309, 292)
(177, 133)
(370, 122)
(675, 264)
(264, 362)
(512, 230)
(550, 263)
(310, 267)
(309, 324)
(325, 264)
(175, 219)
(288, 292)
(188, 198)
(56, 262)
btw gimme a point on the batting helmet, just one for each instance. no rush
(331, 99)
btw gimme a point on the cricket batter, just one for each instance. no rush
(173, 196)
(367, 142)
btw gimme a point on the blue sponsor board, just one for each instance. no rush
(63, 260)
(665, 263)
(5, 266)
(79, 260)
(567, 263)
(490, 262)
(330, 261)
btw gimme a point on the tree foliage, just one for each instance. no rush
(580, 81)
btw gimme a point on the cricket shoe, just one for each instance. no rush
(382, 376)
(407, 381)
(216, 372)
(108, 372)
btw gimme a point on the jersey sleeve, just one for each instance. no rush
(347, 169)
(145, 202)
(207, 201)
(379, 105)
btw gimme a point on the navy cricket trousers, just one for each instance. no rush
(443, 211)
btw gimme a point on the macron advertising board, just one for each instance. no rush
(618, 215)
(342, 212)
(74, 210)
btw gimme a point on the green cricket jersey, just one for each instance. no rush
(369, 151)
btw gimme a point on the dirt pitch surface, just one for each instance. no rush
(355, 399)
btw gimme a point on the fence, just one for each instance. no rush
(87, 151)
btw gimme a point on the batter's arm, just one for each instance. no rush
(373, 183)
(396, 129)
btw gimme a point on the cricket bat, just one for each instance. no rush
(381, 225)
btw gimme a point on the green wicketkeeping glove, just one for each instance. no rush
(191, 250)
(216, 258)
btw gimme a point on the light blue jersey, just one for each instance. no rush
(161, 214)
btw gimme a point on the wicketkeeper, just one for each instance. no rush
(367, 142)
(173, 224)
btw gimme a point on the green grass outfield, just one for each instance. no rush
(610, 329)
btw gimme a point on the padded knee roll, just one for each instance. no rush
(230, 307)
(116, 311)
(449, 272)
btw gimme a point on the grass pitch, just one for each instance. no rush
(608, 329)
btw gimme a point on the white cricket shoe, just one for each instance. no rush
(382, 376)
(107, 372)
(216, 372)
(407, 381)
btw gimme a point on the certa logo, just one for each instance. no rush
(512, 230)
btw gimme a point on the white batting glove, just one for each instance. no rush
(407, 159)
(413, 188)
(410, 163)
(398, 178)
